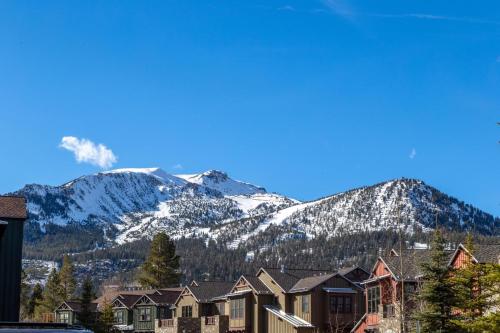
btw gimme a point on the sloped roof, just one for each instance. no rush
(257, 284)
(487, 253)
(128, 300)
(290, 318)
(13, 207)
(412, 262)
(310, 282)
(76, 305)
(206, 290)
(165, 296)
(287, 279)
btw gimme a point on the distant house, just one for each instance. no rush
(12, 217)
(152, 308)
(123, 311)
(68, 312)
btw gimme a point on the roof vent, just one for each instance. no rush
(282, 270)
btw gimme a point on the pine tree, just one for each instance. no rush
(436, 293)
(52, 294)
(86, 316)
(25, 296)
(476, 287)
(35, 300)
(106, 318)
(67, 278)
(161, 267)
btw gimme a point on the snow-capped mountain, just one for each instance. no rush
(133, 203)
(130, 204)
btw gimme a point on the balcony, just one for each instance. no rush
(215, 324)
(178, 325)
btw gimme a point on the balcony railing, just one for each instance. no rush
(166, 323)
(210, 320)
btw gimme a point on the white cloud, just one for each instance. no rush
(287, 7)
(178, 166)
(88, 152)
(413, 153)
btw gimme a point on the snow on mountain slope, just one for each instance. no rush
(366, 209)
(220, 181)
(130, 204)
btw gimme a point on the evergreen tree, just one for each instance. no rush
(436, 293)
(106, 319)
(52, 294)
(476, 287)
(67, 278)
(86, 315)
(35, 300)
(161, 266)
(25, 296)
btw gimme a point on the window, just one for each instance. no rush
(187, 311)
(373, 299)
(64, 317)
(221, 308)
(118, 315)
(145, 314)
(305, 303)
(237, 308)
(340, 304)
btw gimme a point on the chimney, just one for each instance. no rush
(282, 270)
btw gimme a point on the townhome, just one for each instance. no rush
(123, 311)
(394, 277)
(311, 300)
(151, 308)
(68, 312)
(198, 303)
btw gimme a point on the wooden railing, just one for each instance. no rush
(166, 323)
(210, 320)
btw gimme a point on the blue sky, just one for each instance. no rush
(307, 98)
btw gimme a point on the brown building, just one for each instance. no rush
(12, 217)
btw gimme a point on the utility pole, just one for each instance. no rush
(401, 273)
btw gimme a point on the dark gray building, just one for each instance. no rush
(12, 216)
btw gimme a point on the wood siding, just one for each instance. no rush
(187, 299)
(144, 326)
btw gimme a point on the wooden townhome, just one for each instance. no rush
(68, 312)
(151, 308)
(199, 302)
(311, 300)
(123, 311)
(394, 277)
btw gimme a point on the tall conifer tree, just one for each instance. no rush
(67, 278)
(52, 294)
(161, 266)
(436, 293)
(86, 316)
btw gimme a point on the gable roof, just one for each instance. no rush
(206, 290)
(289, 277)
(127, 300)
(165, 296)
(310, 282)
(12, 207)
(76, 306)
(482, 253)
(348, 270)
(255, 283)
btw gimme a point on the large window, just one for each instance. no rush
(64, 317)
(237, 308)
(305, 303)
(187, 311)
(373, 299)
(145, 314)
(341, 304)
(118, 317)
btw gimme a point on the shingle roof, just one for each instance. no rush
(206, 290)
(13, 207)
(309, 283)
(165, 296)
(257, 284)
(287, 279)
(128, 300)
(487, 253)
(76, 306)
(412, 262)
